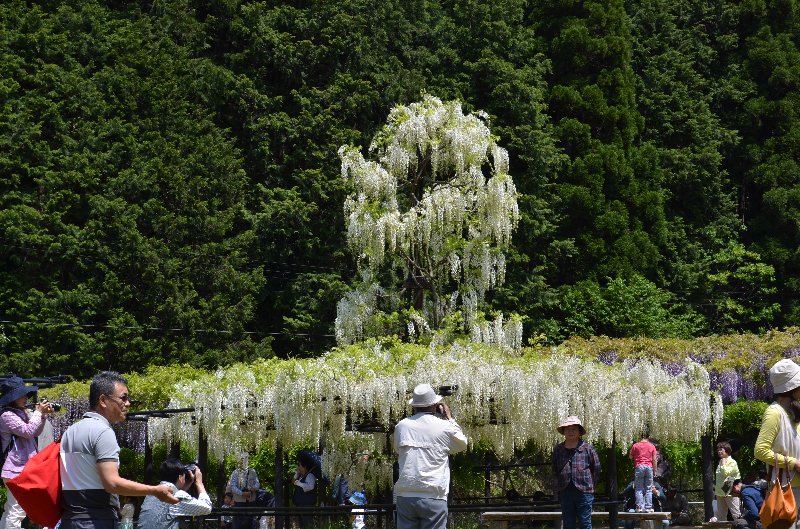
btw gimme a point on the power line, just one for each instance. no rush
(187, 252)
(163, 329)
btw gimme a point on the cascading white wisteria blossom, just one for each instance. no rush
(502, 400)
(427, 209)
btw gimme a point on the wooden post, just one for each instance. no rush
(613, 508)
(222, 479)
(148, 457)
(202, 449)
(279, 498)
(708, 475)
(487, 476)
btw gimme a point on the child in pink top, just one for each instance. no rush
(644, 455)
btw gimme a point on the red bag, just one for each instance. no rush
(38, 487)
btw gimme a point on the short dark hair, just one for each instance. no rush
(103, 384)
(305, 459)
(228, 495)
(171, 470)
(725, 445)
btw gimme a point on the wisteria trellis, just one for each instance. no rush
(282, 391)
(503, 401)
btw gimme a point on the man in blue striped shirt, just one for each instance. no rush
(159, 515)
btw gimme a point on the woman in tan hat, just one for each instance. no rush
(779, 436)
(576, 468)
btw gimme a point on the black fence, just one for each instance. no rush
(376, 516)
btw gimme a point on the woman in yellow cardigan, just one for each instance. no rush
(727, 471)
(779, 437)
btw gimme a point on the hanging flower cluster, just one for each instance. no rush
(737, 364)
(427, 210)
(501, 400)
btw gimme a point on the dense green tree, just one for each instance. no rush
(770, 124)
(122, 204)
(623, 307)
(173, 164)
(677, 48)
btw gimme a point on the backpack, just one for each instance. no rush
(38, 487)
(264, 498)
(340, 490)
(7, 449)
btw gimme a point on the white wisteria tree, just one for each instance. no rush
(428, 220)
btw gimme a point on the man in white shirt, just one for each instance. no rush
(423, 443)
(159, 515)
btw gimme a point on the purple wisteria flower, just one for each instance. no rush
(131, 435)
(674, 368)
(608, 357)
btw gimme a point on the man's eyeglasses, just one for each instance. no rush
(122, 398)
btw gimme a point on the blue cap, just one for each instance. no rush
(358, 498)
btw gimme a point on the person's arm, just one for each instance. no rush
(253, 484)
(734, 470)
(116, 484)
(20, 428)
(770, 426)
(595, 461)
(750, 509)
(662, 498)
(235, 484)
(655, 460)
(458, 441)
(684, 504)
(189, 506)
(308, 484)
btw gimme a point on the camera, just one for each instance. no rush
(446, 391)
(55, 405)
(190, 467)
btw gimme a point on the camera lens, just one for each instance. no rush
(56, 406)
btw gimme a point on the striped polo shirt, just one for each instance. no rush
(84, 444)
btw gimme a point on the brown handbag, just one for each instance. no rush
(779, 509)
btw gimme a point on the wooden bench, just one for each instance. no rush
(500, 519)
(718, 525)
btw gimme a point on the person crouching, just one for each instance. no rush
(159, 515)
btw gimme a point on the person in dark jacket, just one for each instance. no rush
(677, 505)
(305, 486)
(576, 468)
(752, 497)
(659, 499)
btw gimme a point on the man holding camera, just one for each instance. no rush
(423, 443)
(159, 515)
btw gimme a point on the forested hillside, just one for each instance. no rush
(171, 190)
